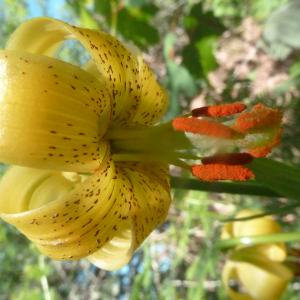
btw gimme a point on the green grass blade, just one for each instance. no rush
(279, 177)
(259, 239)
(277, 211)
(247, 188)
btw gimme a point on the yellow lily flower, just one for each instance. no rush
(255, 272)
(55, 124)
(90, 176)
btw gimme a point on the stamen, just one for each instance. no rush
(219, 110)
(213, 172)
(260, 116)
(204, 127)
(228, 159)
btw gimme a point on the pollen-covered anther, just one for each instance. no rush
(214, 172)
(228, 159)
(222, 110)
(260, 116)
(204, 127)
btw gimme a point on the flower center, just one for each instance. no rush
(210, 134)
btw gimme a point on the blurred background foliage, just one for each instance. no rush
(203, 52)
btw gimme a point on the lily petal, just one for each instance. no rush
(137, 98)
(115, 253)
(146, 214)
(260, 279)
(106, 217)
(56, 112)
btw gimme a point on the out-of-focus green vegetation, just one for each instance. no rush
(184, 42)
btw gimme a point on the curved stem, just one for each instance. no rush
(277, 211)
(114, 18)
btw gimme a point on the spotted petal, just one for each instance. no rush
(106, 217)
(52, 114)
(137, 98)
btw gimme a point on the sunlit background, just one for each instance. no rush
(203, 52)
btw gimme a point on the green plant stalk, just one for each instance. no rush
(114, 18)
(259, 239)
(247, 188)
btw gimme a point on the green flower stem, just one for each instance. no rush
(150, 157)
(161, 140)
(114, 17)
(248, 188)
(259, 239)
(162, 133)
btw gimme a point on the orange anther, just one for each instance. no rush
(213, 172)
(228, 159)
(260, 116)
(219, 110)
(205, 127)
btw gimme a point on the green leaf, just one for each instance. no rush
(104, 8)
(180, 81)
(294, 70)
(87, 19)
(133, 24)
(281, 178)
(132, 20)
(247, 188)
(137, 3)
(281, 30)
(261, 9)
(203, 29)
(206, 47)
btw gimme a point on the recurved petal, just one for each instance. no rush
(261, 280)
(257, 226)
(153, 97)
(136, 95)
(264, 280)
(232, 284)
(71, 224)
(52, 114)
(148, 204)
(151, 198)
(106, 217)
(115, 253)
